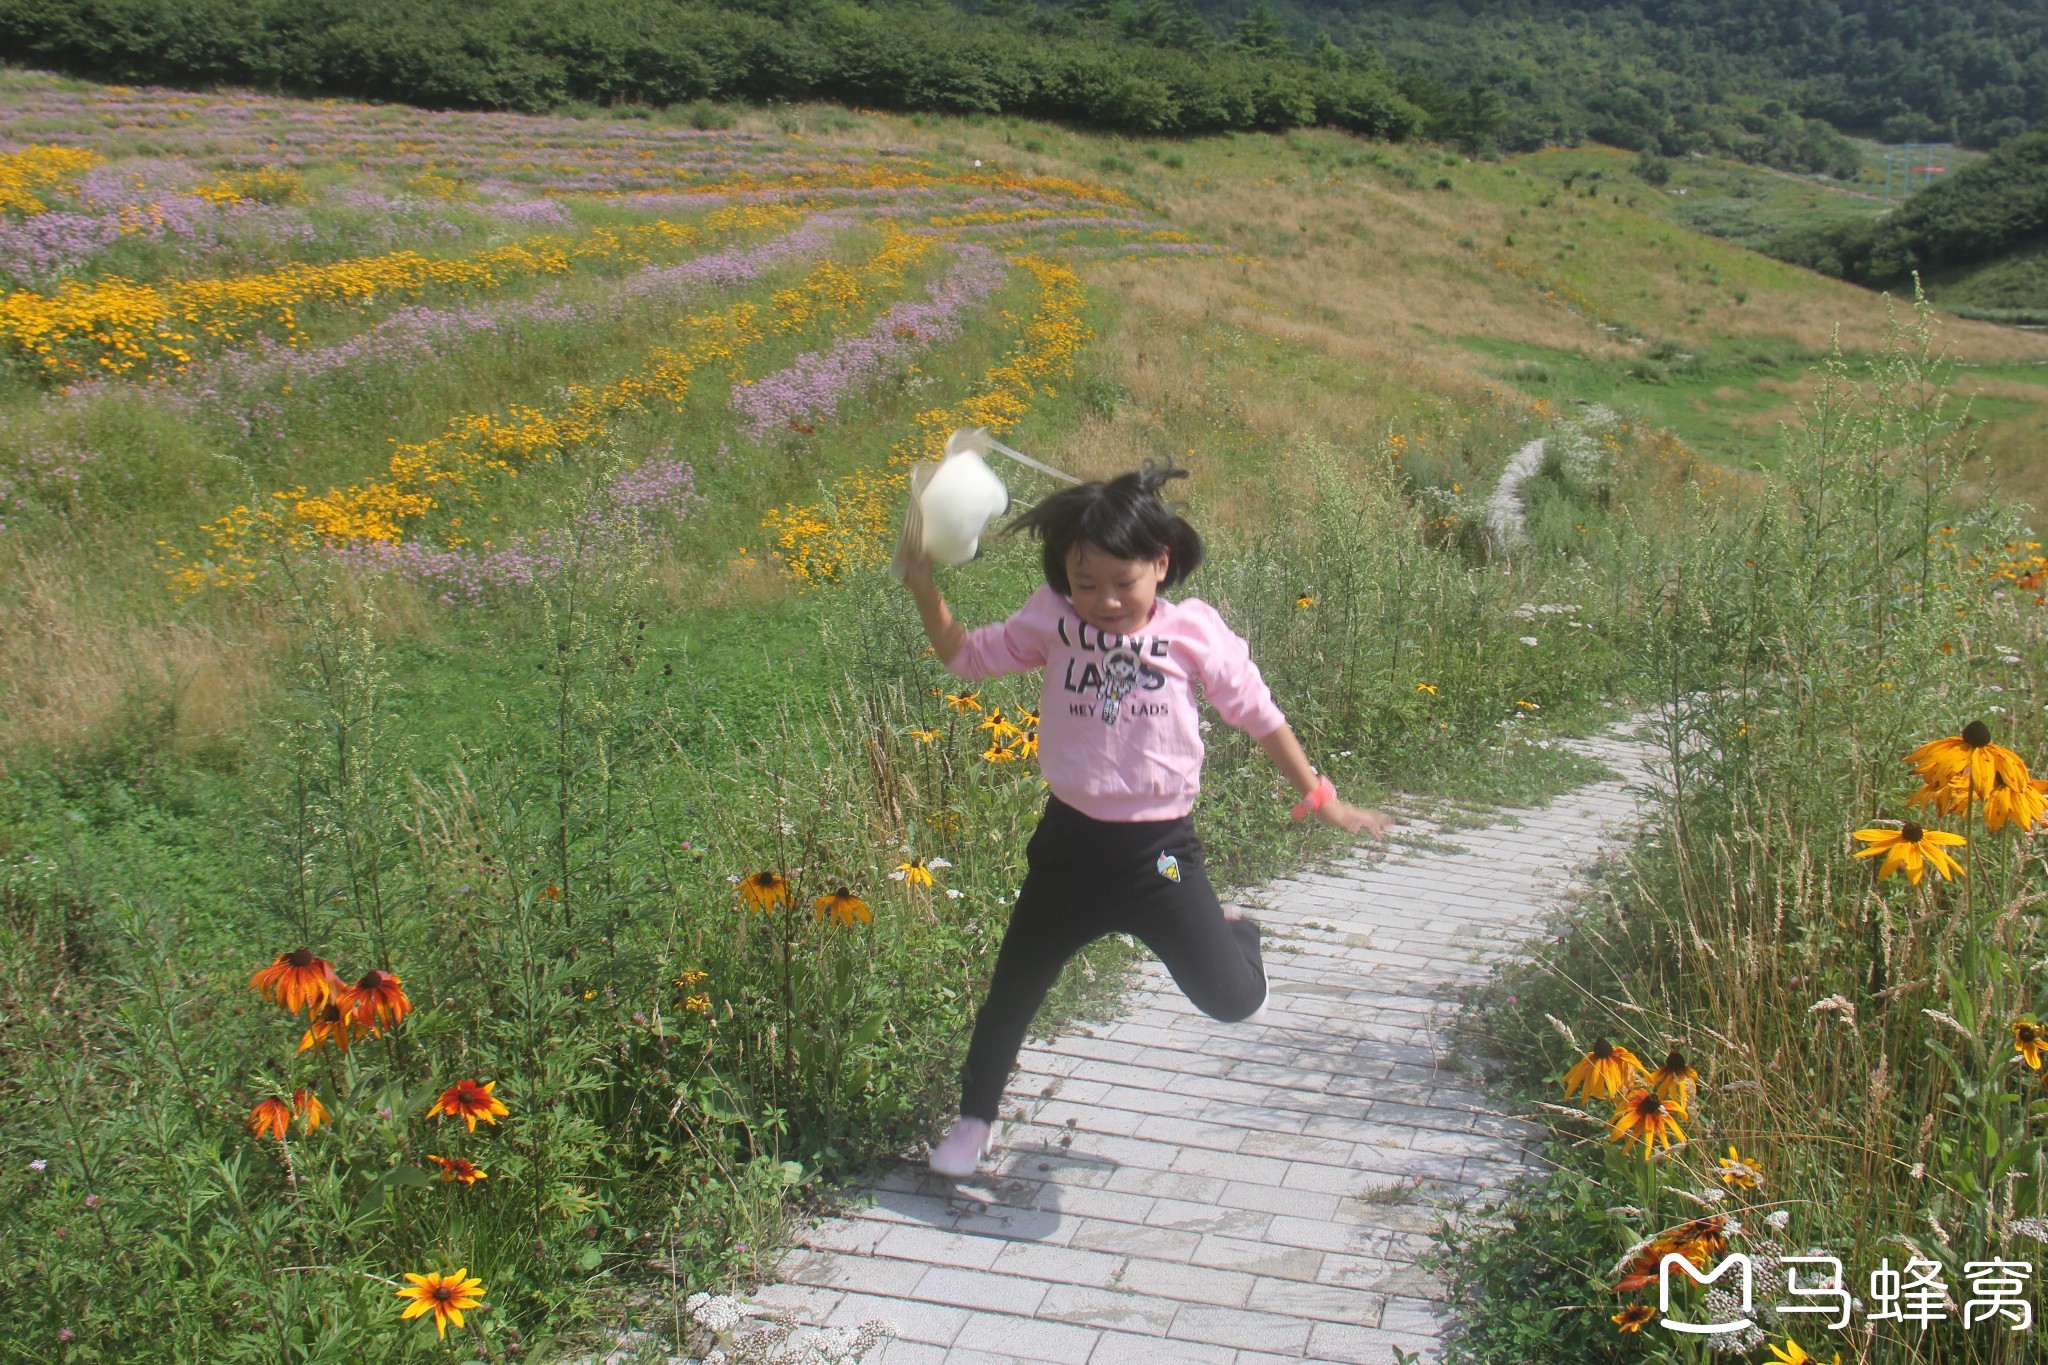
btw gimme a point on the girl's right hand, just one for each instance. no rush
(1353, 819)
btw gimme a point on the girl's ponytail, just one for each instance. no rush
(1128, 517)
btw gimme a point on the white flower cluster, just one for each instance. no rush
(744, 1339)
(1582, 457)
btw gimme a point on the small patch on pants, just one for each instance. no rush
(1169, 867)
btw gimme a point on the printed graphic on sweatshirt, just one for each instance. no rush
(1121, 671)
(1169, 867)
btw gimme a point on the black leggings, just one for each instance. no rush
(1087, 878)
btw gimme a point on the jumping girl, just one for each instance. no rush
(1121, 749)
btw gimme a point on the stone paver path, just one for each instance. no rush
(1169, 1189)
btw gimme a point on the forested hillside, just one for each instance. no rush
(1616, 70)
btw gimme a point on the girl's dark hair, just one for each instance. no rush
(1124, 517)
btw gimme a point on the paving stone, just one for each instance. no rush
(1235, 1194)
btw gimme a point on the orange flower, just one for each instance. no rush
(1645, 1114)
(331, 1024)
(764, 891)
(454, 1168)
(1633, 1317)
(298, 981)
(371, 1000)
(468, 1100)
(270, 1115)
(445, 1296)
(308, 1106)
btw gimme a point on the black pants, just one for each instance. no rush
(1086, 878)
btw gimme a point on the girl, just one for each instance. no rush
(1120, 748)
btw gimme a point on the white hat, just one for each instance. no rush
(951, 504)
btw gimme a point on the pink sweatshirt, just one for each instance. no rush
(1118, 736)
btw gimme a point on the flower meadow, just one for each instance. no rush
(584, 866)
(483, 844)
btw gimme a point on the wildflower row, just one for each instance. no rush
(33, 171)
(117, 326)
(852, 527)
(422, 476)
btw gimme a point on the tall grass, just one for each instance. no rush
(1853, 1036)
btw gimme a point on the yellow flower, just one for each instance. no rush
(1738, 1173)
(1674, 1080)
(1971, 753)
(1426, 687)
(1304, 602)
(843, 907)
(924, 736)
(764, 891)
(2028, 1038)
(1028, 747)
(447, 1297)
(913, 874)
(698, 1004)
(1913, 848)
(999, 753)
(1602, 1073)
(964, 701)
(1791, 1353)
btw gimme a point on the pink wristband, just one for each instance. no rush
(1315, 799)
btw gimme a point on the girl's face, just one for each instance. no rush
(1114, 595)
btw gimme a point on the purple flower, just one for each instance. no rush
(37, 1165)
(811, 388)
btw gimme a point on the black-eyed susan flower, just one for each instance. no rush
(1426, 687)
(964, 701)
(447, 1297)
(1738, 1172)
(2028, 1039)
(698, 1004)
(471, 1101)
(1913, 848)
(999, 753)
(1675, 1079)
(1645, 1114)
(1634, 1317)
(923, 736)
(1027, 747)
(1028, 719)
(1304, 601)
(307, 1106)
(843, 907)
(271, 1115)
(330, 1024)
(298, 980)
(2022, 805)
(456, 1170)
(1792, 1353)
(1602, 1073)
(373, 1002)
(689, 978)
(1973, 753)
(764, 891)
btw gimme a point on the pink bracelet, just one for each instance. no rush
(1315, 799)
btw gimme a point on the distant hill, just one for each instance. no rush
(1974, 71)
(1977, 236)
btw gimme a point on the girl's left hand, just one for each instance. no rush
(1346, 816)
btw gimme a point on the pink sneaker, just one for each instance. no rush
(957, 1157)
